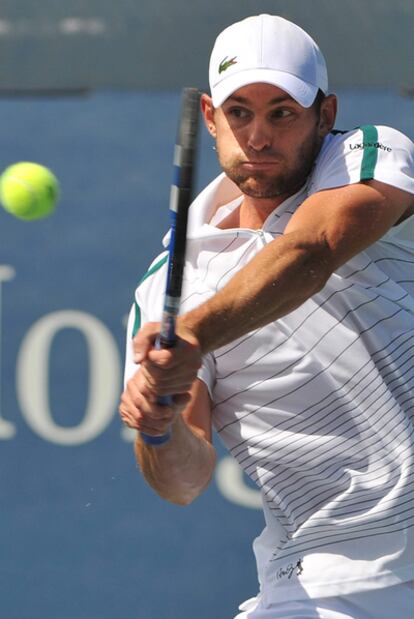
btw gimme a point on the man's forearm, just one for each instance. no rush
(180, 469)
(278, 280)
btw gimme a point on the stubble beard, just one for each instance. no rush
(286, 180)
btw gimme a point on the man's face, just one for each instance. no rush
(266, 142)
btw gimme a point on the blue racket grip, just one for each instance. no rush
(155, 440)
(163, 400)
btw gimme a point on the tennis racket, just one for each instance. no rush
(180, 200)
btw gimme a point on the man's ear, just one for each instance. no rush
(207, 109)
(328, 111)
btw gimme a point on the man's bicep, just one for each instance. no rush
(197, 413)
(349, 219)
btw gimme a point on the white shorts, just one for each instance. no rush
(396, 602)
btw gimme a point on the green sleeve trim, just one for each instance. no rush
(151, 271)
(137, 321)
(154, 268)
(370, 156)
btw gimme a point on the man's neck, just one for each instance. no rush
(253, 212)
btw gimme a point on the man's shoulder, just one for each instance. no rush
(364, 153)
(377, 137)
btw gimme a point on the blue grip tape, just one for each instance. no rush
(155, 440)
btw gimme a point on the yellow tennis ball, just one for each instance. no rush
(29, 190)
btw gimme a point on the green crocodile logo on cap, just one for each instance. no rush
(225, 64)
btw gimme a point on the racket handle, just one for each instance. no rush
(162, 400)
(165, 400)
(155, 440)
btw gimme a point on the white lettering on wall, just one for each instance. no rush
(230, 482)
(33, 377)
(7, 429)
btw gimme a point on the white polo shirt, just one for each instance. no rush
(318, 406)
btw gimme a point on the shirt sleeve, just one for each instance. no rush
(147, 306)
(367, 153)
(207, 372)
(130, 367)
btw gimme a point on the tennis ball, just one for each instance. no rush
(29, 190)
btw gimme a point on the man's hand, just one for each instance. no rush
(139, 408)
(167, 371)
(187, 420)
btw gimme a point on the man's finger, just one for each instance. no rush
(144, 341)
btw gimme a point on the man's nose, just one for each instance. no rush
(260, 137)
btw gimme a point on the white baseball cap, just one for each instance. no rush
(269, 49)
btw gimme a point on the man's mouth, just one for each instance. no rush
(258, 164)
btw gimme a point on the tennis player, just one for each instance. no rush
(297, 334)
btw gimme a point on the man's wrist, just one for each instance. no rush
(191, 327)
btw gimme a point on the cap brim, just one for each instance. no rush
(303, 92)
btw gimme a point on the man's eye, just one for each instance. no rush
(281, 113)
(238, 112)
